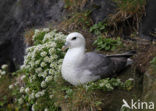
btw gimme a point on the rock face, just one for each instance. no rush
(102, 8)
(148, 25)
(149, 89)
(19, 15)
(5, 47)
(16, 16)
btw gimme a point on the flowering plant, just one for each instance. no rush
(41, 69)
(3, 70)
(39, 85)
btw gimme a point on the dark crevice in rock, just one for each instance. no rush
(16, 16)
(148, 24)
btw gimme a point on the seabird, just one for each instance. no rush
(80, 67)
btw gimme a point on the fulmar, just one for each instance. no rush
(81, 67)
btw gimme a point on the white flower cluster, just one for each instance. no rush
(39, 94)
(53, 35)
(38, 31)
(3, 70)
(42, 65)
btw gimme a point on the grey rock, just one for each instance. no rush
(149, 85)
(148, 25)
(17, 15)
(101, 9)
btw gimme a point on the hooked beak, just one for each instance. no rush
(66, 45)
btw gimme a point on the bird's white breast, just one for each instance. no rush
(75, 68)
(69, 67)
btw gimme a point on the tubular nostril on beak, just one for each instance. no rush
(66, 45)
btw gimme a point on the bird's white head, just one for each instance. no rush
(74, 40)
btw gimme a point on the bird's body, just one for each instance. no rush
(80, 67)
(72, 70)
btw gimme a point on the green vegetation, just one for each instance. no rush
(107, 43)
(109, 84)
(3, 70)
(102, 42)
(39, 84)
(127, 15)
(153, 64)
(128, 9)
(39, 35)
(75, 4)
(153, 61)
(130, 6)
(98, 28)
(78, 21)
(5, 94)
(41, 70)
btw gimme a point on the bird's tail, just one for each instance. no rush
(126, 54)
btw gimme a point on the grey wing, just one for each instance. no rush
(98, 64)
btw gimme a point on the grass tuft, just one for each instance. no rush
(75, 4)
(128, 15)
(78, 21)
(28, 35)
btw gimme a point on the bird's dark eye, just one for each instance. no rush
(74, 38)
